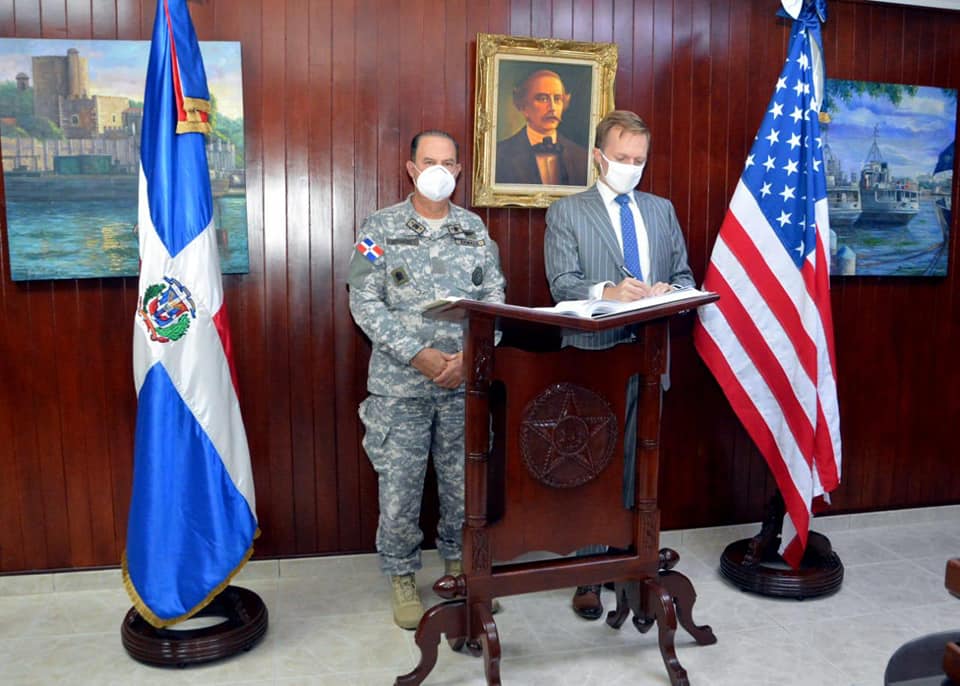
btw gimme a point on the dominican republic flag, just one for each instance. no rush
(192, 512)
(769, 339)
(369, 249)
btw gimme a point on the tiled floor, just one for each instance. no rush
(330, 622)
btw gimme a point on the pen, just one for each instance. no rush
(626, 272)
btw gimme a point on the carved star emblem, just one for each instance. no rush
(568, 438)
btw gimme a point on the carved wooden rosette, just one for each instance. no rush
(567, 435)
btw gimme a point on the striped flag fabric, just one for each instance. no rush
(192, 517)
(769, 339)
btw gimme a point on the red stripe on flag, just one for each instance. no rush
(824, 457)
(766, 362)
(771, 290)
(821, 297)
(746, 410)
(222, 324)
(793, 553)
(181, 112)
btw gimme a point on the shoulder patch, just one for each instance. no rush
(369, 249)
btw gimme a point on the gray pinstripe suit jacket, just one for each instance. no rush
(581, 250)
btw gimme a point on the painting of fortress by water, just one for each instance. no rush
(888, 151)
(70, 114)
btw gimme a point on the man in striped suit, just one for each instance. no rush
(617, 243)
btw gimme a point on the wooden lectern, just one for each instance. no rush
(550, 479)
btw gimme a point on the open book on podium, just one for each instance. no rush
(597, 307)
(591, 309)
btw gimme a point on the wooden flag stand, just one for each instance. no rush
(753, 564)
(552, 480)
(244, 623)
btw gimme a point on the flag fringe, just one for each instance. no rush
(159, 623)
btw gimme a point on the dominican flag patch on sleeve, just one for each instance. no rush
(369, 249)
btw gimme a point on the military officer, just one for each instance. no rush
(407, 256)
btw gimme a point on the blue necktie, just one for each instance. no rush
(631, 254)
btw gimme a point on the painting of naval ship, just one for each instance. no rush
(843, 192)
(884, 199)
(889, 215)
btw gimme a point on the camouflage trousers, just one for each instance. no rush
(401, 434)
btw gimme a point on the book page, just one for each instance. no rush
(604, 308)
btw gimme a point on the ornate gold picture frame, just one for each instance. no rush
(538, 104)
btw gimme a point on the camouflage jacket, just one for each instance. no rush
(401, 265)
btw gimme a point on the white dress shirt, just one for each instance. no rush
(609, 197)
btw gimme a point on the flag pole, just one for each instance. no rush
(755, 565)
(245, 621)
(768, 340)
(192, 520)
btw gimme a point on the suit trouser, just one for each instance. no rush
(401, 435)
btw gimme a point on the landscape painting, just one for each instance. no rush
(888, 151)
(70, 114)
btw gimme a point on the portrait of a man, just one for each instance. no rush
(538, 104)
(543, 150)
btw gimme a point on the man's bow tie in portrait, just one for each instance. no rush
(547, 145)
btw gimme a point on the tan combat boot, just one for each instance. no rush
(407, 607)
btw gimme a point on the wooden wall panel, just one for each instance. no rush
(333, 92)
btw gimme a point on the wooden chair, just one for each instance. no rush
(927, 660)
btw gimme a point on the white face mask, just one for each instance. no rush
(621, 177)
(436, 183)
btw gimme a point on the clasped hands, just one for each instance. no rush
(632, 289)
(444, 369)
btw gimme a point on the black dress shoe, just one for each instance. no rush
(609, 585)
(586, 602)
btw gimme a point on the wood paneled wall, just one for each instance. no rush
(334, 90)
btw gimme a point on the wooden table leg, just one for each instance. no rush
(486, 629)
(681, 590)
(448, 618)
(659, 603)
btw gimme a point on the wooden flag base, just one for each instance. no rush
(244, 623)
(753, 564)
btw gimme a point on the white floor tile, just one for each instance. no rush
(330, 622)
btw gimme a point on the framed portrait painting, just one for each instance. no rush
(538, 104)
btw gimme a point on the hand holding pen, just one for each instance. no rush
(632, 288)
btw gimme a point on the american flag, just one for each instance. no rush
(769, 339)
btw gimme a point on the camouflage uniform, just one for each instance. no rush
(401, 265)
